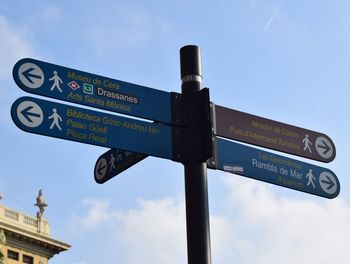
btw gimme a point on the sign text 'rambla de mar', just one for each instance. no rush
(184, 127)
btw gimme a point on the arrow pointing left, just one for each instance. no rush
(30, 75)
(100, 169)
(30, 114)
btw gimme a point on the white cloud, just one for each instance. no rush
(152, 233)
(155, 233)
(285, 230)
(257, 227)
(14, 45)
(97, 215)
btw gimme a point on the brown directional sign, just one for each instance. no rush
(271, 134)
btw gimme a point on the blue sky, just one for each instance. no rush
(284, 60)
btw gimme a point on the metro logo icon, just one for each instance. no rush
(73, 85)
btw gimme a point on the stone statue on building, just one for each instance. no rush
(40, 202)
(2, 241)
(2, 237)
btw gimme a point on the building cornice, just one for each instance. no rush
(31, 234)
(35, 243)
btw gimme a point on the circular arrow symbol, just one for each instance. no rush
(328, 182)
(100, 169)
(30, 114)
(31, 75)
(324, 147)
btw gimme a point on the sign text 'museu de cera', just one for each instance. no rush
(84, 88)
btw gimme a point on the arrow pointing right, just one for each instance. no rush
(329, 182)
(324, 146)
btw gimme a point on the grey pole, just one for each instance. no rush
(196, 189)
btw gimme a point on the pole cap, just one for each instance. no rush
(190, 60)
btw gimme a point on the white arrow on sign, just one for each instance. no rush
(101, 169)
(328, 182)
(324, 147)
(30, 114)
(31, 75)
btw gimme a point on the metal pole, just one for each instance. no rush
(196, 189)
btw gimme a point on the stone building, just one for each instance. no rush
(26, 239)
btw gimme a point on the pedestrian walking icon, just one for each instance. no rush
(311, 178)
(56, 119)
(112, 163)
(307, 143)
(56, 82)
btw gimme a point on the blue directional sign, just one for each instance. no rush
(82, 125)
(113, 162)
(79, 87)
(272, 168)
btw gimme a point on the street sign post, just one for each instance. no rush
(183, 131)
(96, 128)
(196, 186)
(84, 88)
(271, 134)
(113, 162)
(272, 168)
